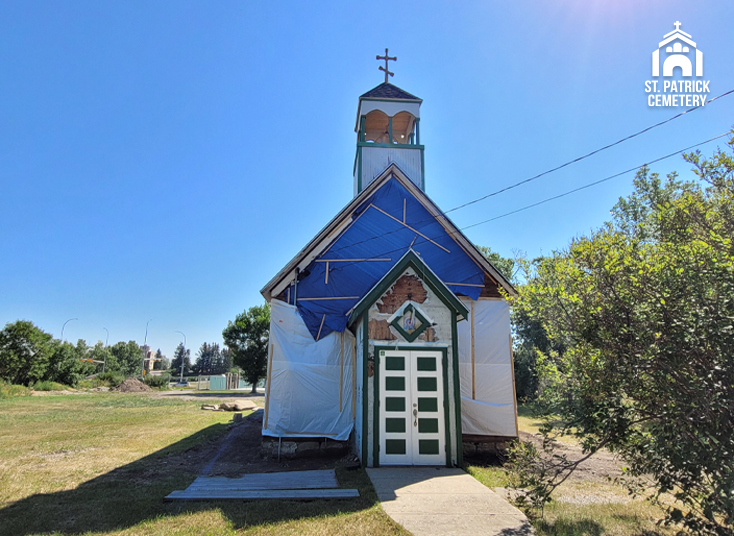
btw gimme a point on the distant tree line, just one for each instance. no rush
(29, 355)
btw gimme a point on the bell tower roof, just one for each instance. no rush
(387, 91)
(388, 133)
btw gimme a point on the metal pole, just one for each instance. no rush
(62, 327)
(183, 354)
(145, 346)
(104, 363)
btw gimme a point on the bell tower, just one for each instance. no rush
(388, 121)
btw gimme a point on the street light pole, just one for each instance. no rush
(145, 346)
(62, 327)
(183, 354)
(104, 363)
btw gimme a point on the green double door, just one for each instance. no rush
(411, 411)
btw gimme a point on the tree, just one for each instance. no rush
(210, 360)
(25, 351)
(180, 354)
(125, 358)
(161, 361)
(506, 266)
(529, 334)
(247, 339)
(226, 360)
(644, 308)
(65, 363)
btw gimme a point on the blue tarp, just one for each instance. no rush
(377, 232)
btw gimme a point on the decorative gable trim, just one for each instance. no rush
(409, 260)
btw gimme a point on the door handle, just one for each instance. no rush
(415, 417)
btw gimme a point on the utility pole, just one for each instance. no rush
(62, 327)
(104, 363)
(183, 355)
(145, 346)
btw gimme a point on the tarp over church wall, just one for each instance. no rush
(487, 394)
(309, 393)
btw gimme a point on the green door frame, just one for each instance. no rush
(376, 397)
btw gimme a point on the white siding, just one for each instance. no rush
(376, 159)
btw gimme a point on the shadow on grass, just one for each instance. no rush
(133, 493)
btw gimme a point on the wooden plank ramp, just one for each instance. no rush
(264, 481)
(298, 485)
(241, 495)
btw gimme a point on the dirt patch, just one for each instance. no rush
(132, 385)
(602, 466)
(240, 452)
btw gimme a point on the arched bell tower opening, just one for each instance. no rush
(388, 132)
(398, 130)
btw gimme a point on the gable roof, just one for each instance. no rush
(677, 35)
(341, 222)
(388, 91)
(409, 260)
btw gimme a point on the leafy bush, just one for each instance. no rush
(8, 390)
(49, 386)
(91, 383)
(157, 381)
(24, 352)
(111, 379)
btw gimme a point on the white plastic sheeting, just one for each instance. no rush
(491, 410)
(308, 379)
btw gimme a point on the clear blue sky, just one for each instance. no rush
(162, 160)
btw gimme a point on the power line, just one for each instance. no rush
(421, 240)
(589, 185)
(530, 179)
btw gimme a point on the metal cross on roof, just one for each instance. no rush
(386, 58)
(677, 25)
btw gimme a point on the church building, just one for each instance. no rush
(389, 329)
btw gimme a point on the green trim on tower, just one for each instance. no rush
(359, 170)
(423, 171)
(389, 145)
(389, 129)
(365, 398)
(457, 390)
(361, 129)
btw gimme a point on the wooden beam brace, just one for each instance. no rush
(411, 228)
(318, 336)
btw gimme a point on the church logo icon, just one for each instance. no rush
(677, 46)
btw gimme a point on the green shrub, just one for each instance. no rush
(157, 381)
(49, 386)
(110, 379)
(8, 390)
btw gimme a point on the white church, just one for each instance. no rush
(389, 329)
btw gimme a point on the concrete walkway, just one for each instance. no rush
(430, 501)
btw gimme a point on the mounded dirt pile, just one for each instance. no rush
(131, 385)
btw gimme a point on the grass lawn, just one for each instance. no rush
(582, 507)
(101, 464)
